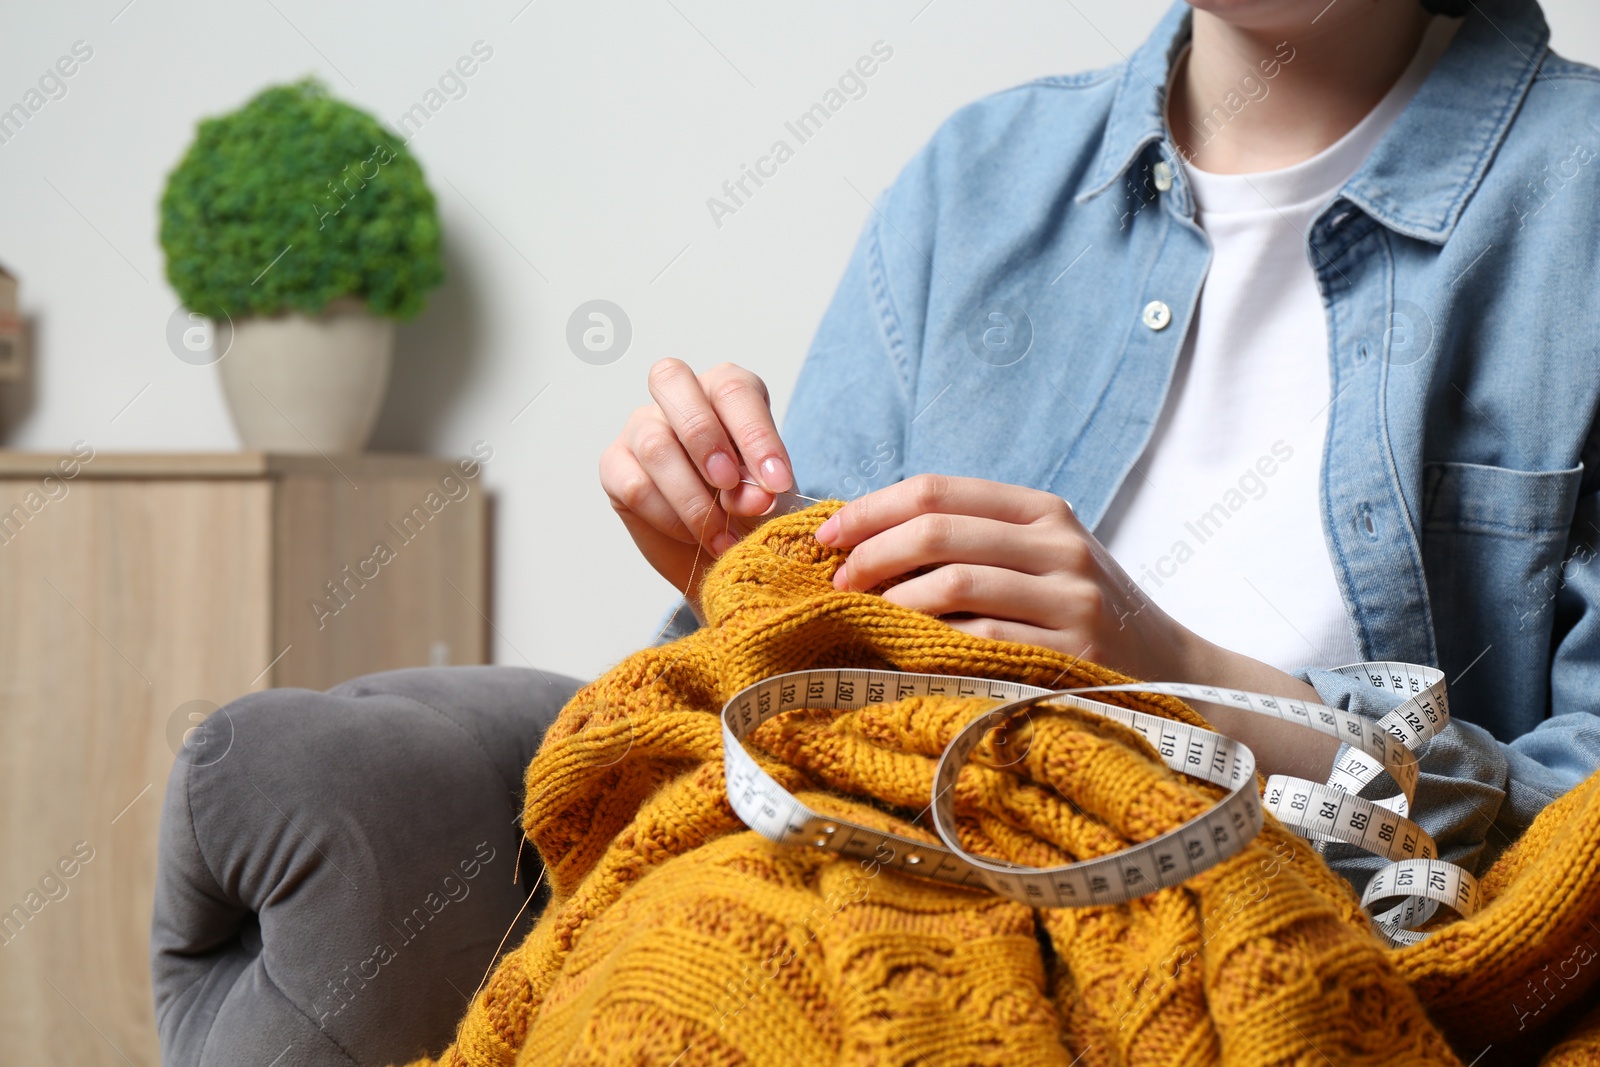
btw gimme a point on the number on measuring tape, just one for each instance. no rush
(1321, 812)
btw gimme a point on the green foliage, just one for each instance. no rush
(295, 168)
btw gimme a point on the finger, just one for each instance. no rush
(634, 493)
(741, 403)
(1022, 633)
(746, 499)
(681, 563)
(744, 519)
(694, 419)
(993, 592)
(923, 494)
(941, 538)
(664, 461)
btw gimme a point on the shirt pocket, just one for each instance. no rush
(1476, 500)
(1493, 540)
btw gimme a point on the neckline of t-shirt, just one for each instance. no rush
(1317, 179)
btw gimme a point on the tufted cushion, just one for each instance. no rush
(335, 869)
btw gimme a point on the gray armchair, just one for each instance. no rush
(335, 869)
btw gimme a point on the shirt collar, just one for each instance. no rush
(1418, 179)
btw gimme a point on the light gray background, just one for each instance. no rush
(577, 166)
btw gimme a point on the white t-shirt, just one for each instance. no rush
(1223, 528)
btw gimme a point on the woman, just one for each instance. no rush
(1294, 308)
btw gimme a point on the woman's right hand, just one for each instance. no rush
(674, 473)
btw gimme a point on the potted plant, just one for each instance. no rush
(306, 227)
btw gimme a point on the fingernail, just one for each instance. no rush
(774, 475)
(828, 530)
(723, 470)
(720, 543)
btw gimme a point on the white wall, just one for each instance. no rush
(584, 151)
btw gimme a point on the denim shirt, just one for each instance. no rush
(1460, 272)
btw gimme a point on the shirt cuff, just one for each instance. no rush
(679, 621)
(1465, 799)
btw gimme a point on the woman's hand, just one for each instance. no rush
(673, 474)
(1016, 564)
(1012, 563)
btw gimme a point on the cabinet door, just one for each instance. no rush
(385, 572)
(129, 604)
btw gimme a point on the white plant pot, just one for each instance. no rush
(298, 383)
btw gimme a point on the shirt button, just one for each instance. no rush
(1156, 315)
(1162, 172)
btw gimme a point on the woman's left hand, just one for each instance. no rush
(1012, 563)
(1016, 564)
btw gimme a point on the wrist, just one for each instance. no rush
(1207, 663)
(1196, 660)
(1280, 747)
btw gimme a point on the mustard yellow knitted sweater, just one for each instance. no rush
(677, 937)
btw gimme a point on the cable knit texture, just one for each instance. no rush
(678, 937)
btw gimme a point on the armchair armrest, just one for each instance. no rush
(335, 869)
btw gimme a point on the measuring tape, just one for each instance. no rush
(1417, 881)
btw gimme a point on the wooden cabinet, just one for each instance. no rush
(135, 586)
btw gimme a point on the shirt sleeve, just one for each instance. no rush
(846, 421)
(679, 621)
(1476, 794)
